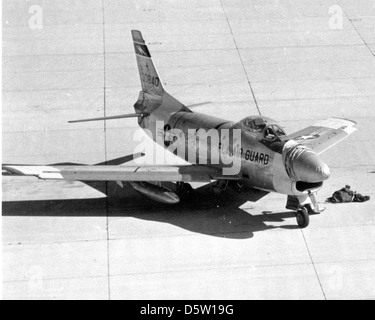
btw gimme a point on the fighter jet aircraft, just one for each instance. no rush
(268, 159)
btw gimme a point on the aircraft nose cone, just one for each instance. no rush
(305, 165)
(325, 172)
(310, 168)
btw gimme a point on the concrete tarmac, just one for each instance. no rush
(283, 59)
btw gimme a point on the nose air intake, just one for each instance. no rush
(303, 164)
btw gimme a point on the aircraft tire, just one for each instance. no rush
(303, 218)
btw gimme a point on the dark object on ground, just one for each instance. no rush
(347, 195)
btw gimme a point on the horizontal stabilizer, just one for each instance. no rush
(199, 104)
(121, 116)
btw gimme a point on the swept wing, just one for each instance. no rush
(181, 173)
(324, 134)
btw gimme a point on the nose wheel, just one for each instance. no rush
(303, 218)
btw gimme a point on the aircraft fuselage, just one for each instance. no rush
(261, 163)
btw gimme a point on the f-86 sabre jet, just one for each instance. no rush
(268, 159)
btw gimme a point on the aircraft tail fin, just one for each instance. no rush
(150, 80)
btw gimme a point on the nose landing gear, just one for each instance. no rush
(303, 218)
(303, 206)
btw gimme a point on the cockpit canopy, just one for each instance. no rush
(263, 127)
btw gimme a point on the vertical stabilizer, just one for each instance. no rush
(151, 82)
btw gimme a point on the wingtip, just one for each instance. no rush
(349, 120)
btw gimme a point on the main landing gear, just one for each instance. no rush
(303, 207)
(220, 186)
(184, 190)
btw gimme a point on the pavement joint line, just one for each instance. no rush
(182, 86)
(277, 229)
(185, 50)
(174, 271)
(105, 142)
(242, 62)
(227, 65)
(200, 68)
(133, 238)
(191, 50)
(359, 34)
(46, 24)
(157, 21)
(205, 84)
(320, 99)
(238, 101)
(206, 34)
(114, 24)
(313, 265)
(332, 79)
(250, 266)
(58, 278)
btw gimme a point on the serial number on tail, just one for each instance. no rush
(148, 79)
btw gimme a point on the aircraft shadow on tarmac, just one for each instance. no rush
(202, 212)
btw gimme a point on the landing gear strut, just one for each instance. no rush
(220, 186)
(183, 190)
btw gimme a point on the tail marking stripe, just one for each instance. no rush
(142, 50)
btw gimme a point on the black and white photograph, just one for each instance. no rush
(180, 150)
